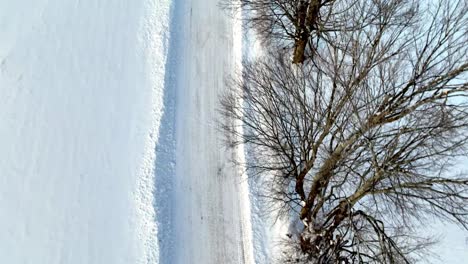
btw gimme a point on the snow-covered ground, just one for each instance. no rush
(80, 83)
(110, 147)
(202, 214)
(107, 147)
(453, 246)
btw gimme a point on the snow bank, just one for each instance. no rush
(155, 38)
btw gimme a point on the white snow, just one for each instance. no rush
(453, 247)
(110, 144)
(80, 97)
(201, 209)
(110, 147)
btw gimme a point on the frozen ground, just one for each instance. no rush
(110, 148)
(80, 83)
(83, 89)
(201, 207)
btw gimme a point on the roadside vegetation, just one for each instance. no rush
(357, 117)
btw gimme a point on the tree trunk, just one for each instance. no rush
(307, 17)
(299, 51)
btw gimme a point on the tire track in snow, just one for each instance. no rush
(200, 201)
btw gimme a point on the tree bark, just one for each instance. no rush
(307, 17)
(299, 51)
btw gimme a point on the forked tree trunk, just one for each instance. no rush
(307, 17)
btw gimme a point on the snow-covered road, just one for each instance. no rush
(110, 153)
(207, 206)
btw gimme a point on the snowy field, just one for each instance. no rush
(80, 95)
(110, 144)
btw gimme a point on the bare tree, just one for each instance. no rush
(305, 24)
(360, 144)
